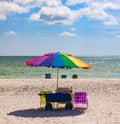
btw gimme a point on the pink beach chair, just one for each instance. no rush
(80, 100)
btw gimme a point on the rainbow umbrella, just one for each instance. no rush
(58, 60)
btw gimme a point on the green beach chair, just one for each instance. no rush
(64, 76)
(75, 76)
(48, 76)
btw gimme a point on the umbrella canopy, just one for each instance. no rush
(58, 60)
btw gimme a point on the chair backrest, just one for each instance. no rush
(63, 90)
(80, 98)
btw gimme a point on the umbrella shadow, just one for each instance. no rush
(28, 113)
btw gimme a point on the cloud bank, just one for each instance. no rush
(69, 34)
(10, 33)
(55, 12)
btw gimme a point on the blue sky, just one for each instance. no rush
(78, 27)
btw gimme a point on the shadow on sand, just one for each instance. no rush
(42, 113)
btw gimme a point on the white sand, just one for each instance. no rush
(19, 102)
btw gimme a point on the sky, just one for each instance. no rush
(78, 27)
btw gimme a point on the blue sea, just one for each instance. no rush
(102, 67)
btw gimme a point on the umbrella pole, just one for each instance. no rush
(57, 76)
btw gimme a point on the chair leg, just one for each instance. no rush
(40, 104)
(56, 105)
(87, 103)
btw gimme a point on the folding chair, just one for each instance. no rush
(74, 76)
(63, 76)
(80, 100)
(48, 76)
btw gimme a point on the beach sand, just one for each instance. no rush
(19, 101)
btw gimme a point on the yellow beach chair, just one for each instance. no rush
(42, 97)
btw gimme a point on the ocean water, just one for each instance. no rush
(102, 67)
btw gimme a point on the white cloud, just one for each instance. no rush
(9, 33)
(118, 36)
(74, 2)
(65, 33)
(97, 10)
(55, 15)
(110, 20)
(38, 3)
(2, 17)
(8, 8)
(35, 17)
(54, 12)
